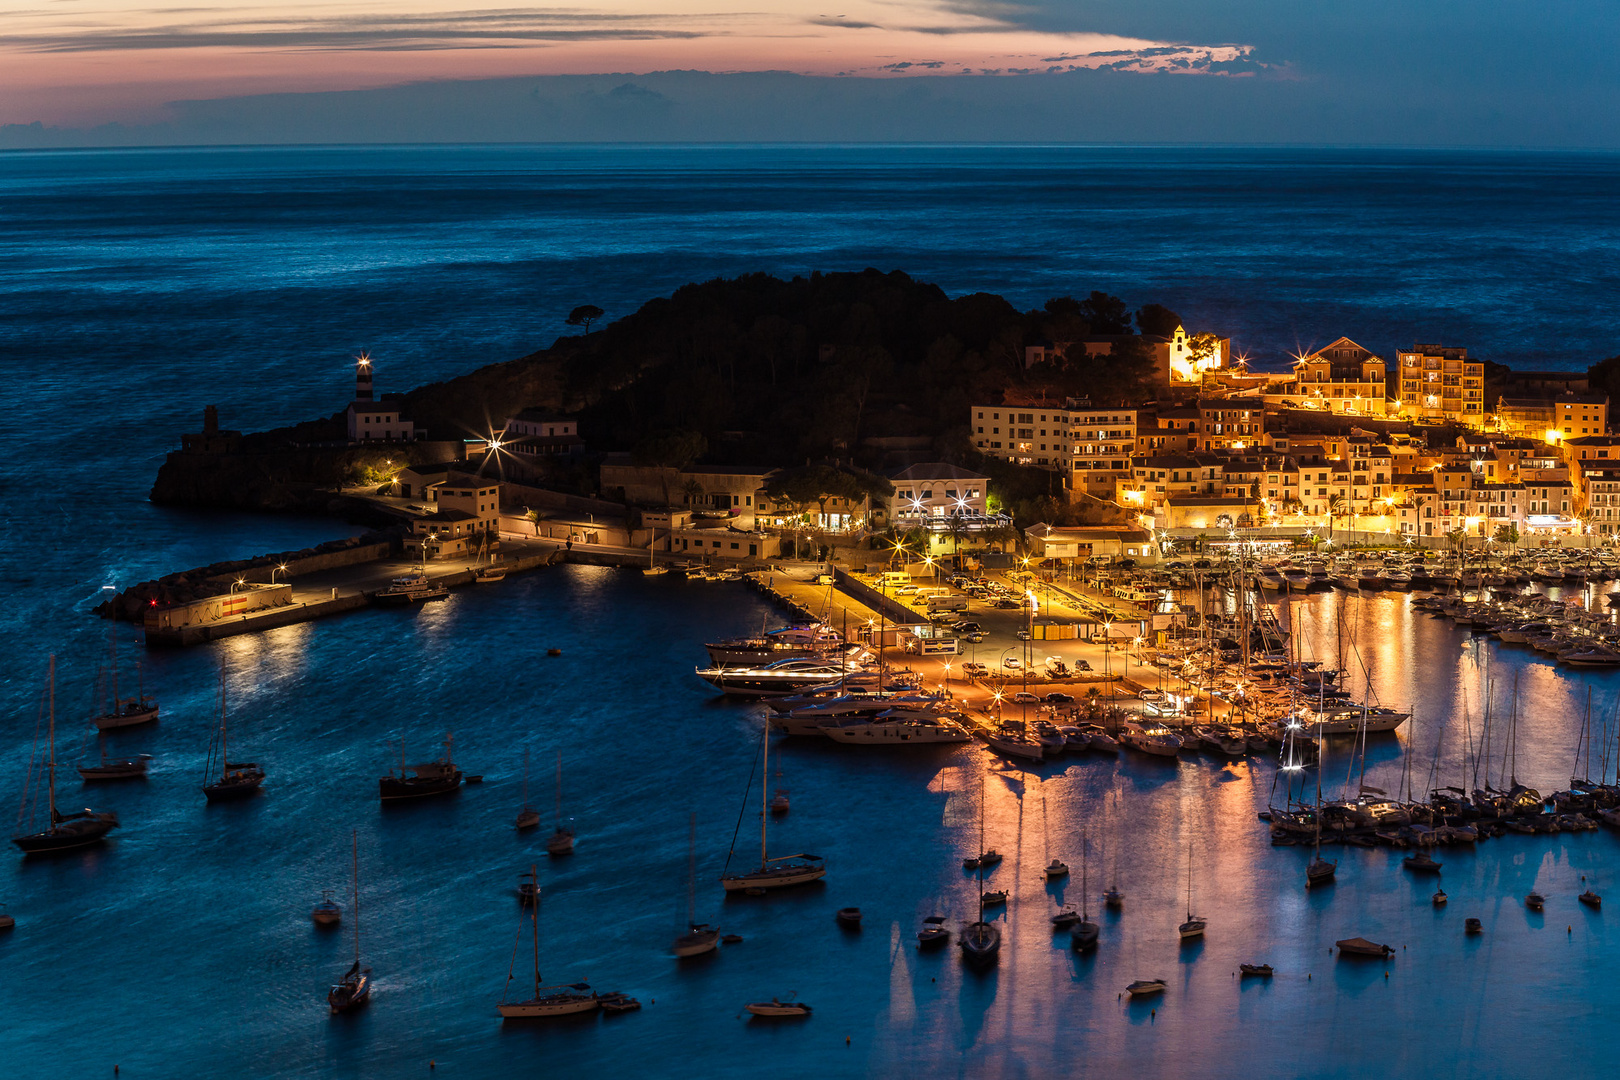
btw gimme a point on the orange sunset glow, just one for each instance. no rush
(83, 61)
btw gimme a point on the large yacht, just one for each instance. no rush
(897, 728)
(781, 677)
(779, 644)
(1348, 720)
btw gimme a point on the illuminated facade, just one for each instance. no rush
(369, 420)
(1343, 378)
(1442, 384)
(1187, 358)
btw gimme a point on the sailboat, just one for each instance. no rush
(547, 1000)
(561, 841)
(237, 779)
(66, 831)
(354, 989)
(700, 938)
(1083, 937)
(490, 571)
(1320, 870)
(652, 566)
(783, 870)
(130, 768)
(125, 712)
(528, 817)
(1192, 928)
(981, 941)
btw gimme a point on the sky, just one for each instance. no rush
(1511, 72)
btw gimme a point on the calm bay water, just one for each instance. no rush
(137, 287)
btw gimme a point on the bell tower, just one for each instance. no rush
(362, 377)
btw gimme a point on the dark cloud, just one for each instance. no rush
(907, 65)
(843, 24)
(387, 33)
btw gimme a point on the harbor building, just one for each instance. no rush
(1553, 419)
(466, 521)
(371, 420)
(1102, 442)
(536, 433)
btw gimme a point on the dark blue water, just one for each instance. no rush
(137, 287)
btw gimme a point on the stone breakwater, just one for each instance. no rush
(216, 579)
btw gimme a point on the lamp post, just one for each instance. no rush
(947, 678)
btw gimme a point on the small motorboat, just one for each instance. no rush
(328, 912)
(1360, 946)
(779, 802)
(1472, 926)
(1535, 901)
(1439, 898)
(1421, 863)
(1590, 899)
(1256, 971)
(775, 1008)
(997, 897)
(1113, 898)
(985, 861)
(933, 932)
(6, 921)
(528, 890)
(849, 916)
(1056, 869)
(1065, 918)
(1145, 987)
(731, 939)
(618, 1003)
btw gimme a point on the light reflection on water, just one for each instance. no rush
(323, 705)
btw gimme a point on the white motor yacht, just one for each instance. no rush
(783, 643)
(897, 729)
(780, 677)
(1151, 739)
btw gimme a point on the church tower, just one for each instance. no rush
(362, 378)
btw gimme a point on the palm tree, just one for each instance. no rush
(1338, 507)
(692, 490)
(532, 516)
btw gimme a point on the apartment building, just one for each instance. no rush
(1440, 383)
(1023, 434)
(1102, 444)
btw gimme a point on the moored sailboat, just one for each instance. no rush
(784, 870)
(981, 940)
(237, 779)
(428, 778)
(65, 831)
(124, 712)
(546, 1001)
(561, 841)
(354, 989)
(699, 938)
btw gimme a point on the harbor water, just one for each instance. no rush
(137, 287)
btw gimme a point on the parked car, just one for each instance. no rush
(972, 669)
(1024, 697)
(1058, 698)
(975, 637)
(1023, 635)
(1012, 663)
(968, 626)
(1006, 603)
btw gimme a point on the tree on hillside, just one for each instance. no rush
(1156, 320)
(692, 490)
(669, 450)
(1105, 314)
(1201, 347)
(584, 315)
(1603, 377)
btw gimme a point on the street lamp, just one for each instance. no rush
(947, 678)
(281, 569)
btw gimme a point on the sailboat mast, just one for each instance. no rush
(50, 765)
(224, 752)
(534, 921)
(559, 789)
(691, 871)
(356, 904)
(764, 786)
(112, 651)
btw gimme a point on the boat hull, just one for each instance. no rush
(554, 1005)
(227, 790)
(126, 718)
(774, 879)
(67, 835)
(393, 787)
(131, 769)
(345, 997)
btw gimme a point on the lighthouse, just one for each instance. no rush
(362, 377)
(371, 420)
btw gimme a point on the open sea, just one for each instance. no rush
(137, 287)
